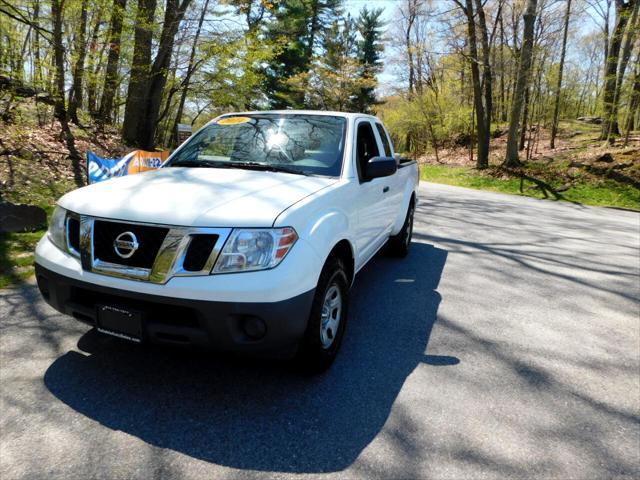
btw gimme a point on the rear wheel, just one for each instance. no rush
(327, 320)
(399, 244)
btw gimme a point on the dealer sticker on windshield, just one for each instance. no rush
(233, 120)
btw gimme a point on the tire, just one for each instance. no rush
(398, 245)
(323, 336)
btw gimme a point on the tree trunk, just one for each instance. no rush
(75, 98)
(140, 68)
(525, 118)
(482, 160)
(146, 130)
(407, 39)
(522, 83)
(610, 79)
(484, 134)
(59, 109)
(503, 105)
(187, 79)
(556, 107)
(634, 102)
(111, 72)
(624, 60)
(91, 77)
(36, 45)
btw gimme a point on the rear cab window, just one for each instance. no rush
(386, 141)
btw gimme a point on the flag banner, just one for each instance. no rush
(100, 169)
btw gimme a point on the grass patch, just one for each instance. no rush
(584, 188)
(17, 256)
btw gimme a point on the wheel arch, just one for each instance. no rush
(344, 251)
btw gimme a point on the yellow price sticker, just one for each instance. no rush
(233, 120)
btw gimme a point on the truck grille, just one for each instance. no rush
(198, 252)
(149, 238)
(144, 252)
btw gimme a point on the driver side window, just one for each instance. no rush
(366, 146)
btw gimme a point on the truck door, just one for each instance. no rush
(395, 183)
(372, 226)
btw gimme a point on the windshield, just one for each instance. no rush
(293, 143)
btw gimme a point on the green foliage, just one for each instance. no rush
(238, 63)
(334, 78)
(298, 25)
(428, 120)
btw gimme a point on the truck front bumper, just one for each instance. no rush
(221, 325)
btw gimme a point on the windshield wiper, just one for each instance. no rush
(193, 163)
(267, 167)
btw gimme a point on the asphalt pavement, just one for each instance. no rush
(506, 345)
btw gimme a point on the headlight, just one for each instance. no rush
(255, 249)
(57, 228)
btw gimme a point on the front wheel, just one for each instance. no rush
(327, 320)
(399, 244)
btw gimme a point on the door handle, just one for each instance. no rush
(385, 189)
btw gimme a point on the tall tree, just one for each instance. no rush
(190, 71)
(369, 52)
(80, 50)
(625, 55)
(60, 111)
(111, 72)
(301, 23)
(94, 62)
(481, 87)
(409, 12)
(522, 83)
(146, 129)
(140, 69)
(334, 80)
(556, 107)
(634, 102)
(623, 9)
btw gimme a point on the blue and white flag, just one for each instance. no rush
(102, 169)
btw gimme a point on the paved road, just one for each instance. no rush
(506, 345)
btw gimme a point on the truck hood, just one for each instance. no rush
(197, 197)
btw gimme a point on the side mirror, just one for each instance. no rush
(378, 167)
(400, 159)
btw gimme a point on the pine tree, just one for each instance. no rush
(370, 50)
(302, 23)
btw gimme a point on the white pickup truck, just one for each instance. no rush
(248, 238)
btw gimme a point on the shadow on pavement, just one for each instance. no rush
(259, 415)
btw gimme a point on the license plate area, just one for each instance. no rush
(119, 322)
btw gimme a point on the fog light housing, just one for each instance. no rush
(254, 327)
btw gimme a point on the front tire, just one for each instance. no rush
(398, 245)
(327, 321)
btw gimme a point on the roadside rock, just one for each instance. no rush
(595, 120)
(606, 158)
(21, 218)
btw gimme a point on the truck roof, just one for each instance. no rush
(303, 112)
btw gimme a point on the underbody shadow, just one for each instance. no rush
(262, 415)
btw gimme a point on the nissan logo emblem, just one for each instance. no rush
(126, 244)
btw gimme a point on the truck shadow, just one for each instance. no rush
(258, 415)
